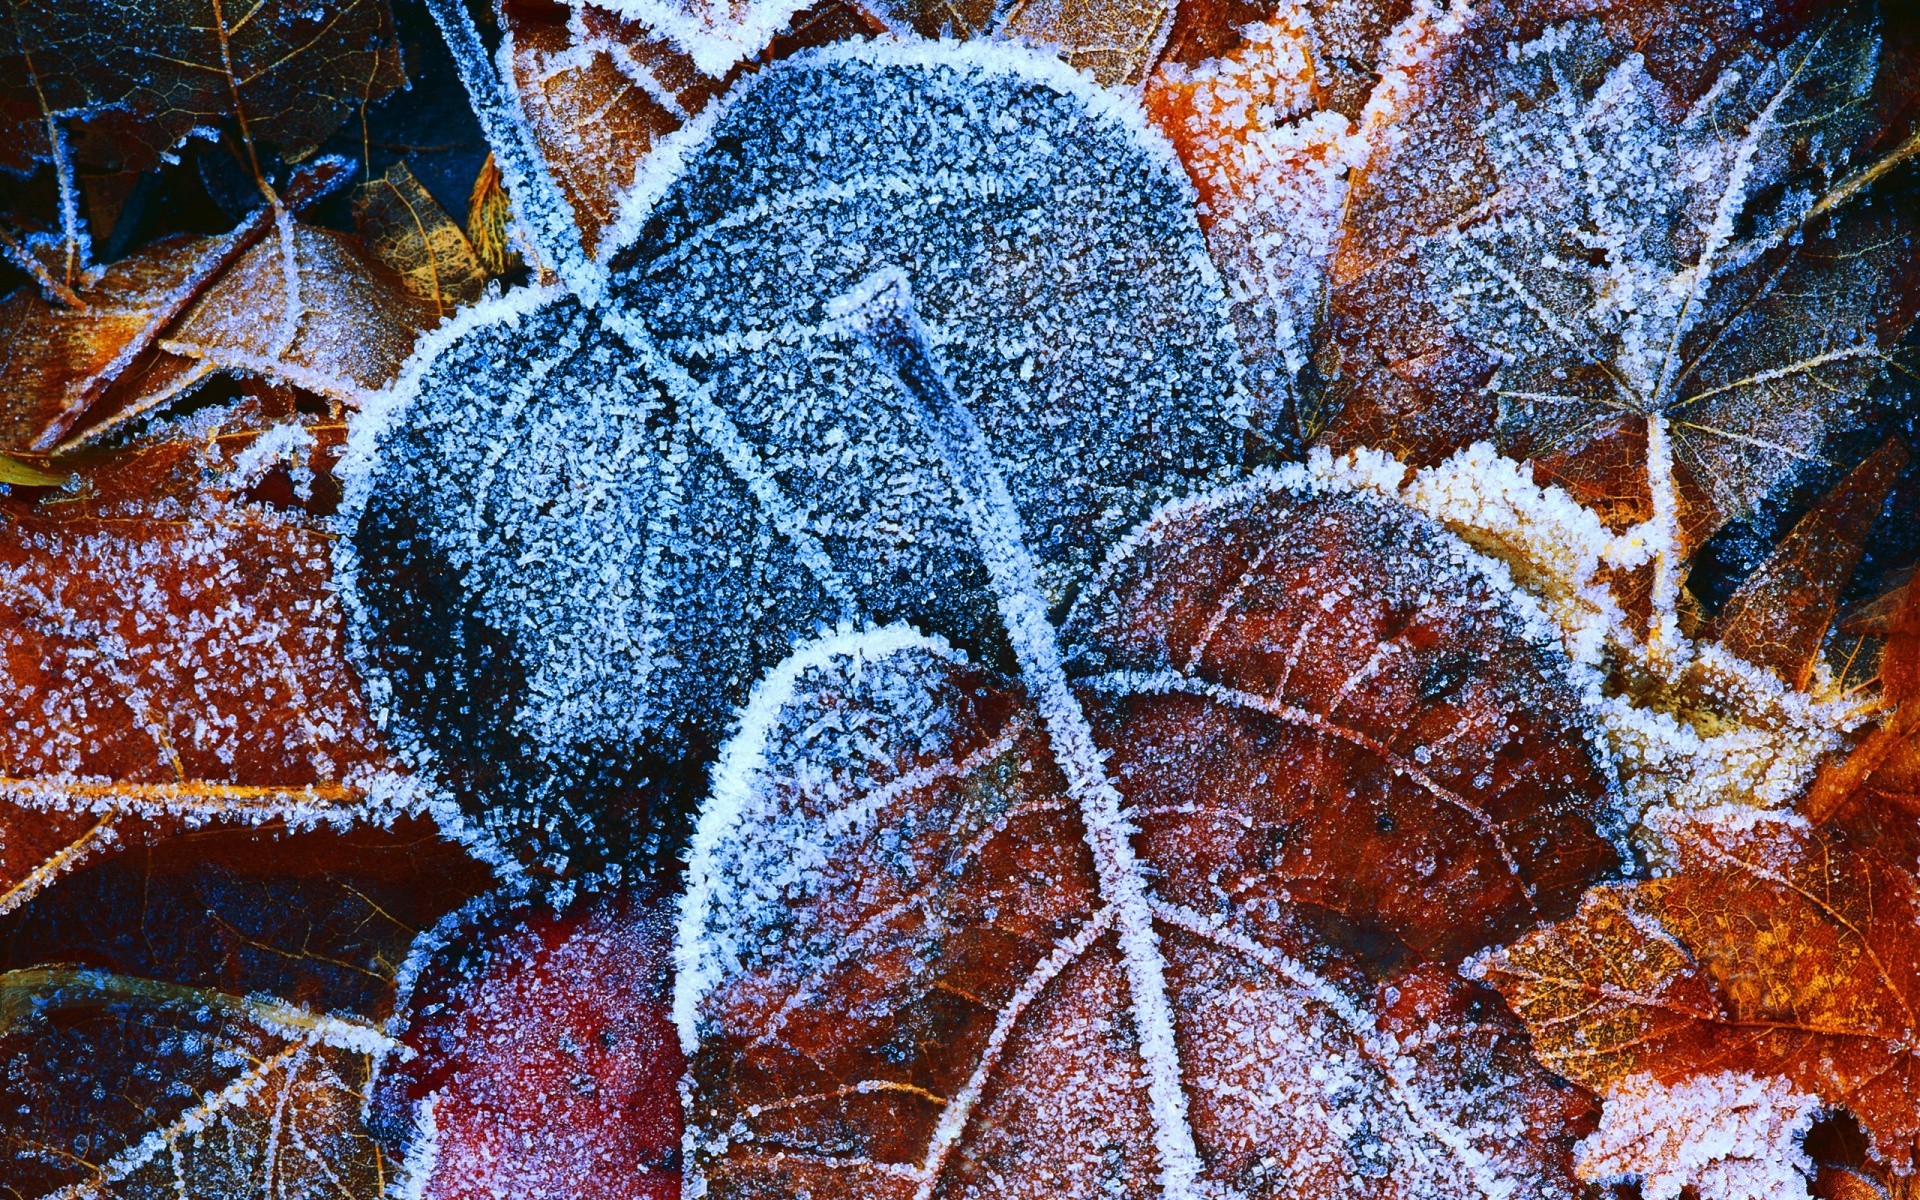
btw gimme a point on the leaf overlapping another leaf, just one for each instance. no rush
(1775, 950)
(121, 85)
(1600, 254)
(200, 1016)
(615, 573)
(899, 973)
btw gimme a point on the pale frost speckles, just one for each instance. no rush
(1727, 1135)
(658, 497)
(881, 311)
(831, 861)
(1607, 277)
(1713, 731)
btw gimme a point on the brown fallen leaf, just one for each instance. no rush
(901, 973)
(1780, 614)
(1777, 951)
(64, 361)
(405, 229)
(180, 648)
(489, 214)
(122, 84)
(1476, 284)
(598, 92)
(206, 1009)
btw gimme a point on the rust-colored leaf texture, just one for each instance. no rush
(1107, 599)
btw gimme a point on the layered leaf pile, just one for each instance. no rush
(1087, 598)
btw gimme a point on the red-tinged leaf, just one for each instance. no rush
(1348, 764)
(1779, 615)
(175, 646)
(545, 1064)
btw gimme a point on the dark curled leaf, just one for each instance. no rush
(643, 523)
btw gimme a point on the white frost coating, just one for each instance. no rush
(1742, 737)
(410, 1181)
(980, 62)
(542, 209)
(883, 306)
(715, 34)
(697, 960)
(1728, 1135)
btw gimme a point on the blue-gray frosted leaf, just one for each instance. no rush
(583, 535)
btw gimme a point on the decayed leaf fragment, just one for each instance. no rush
(405, 228)
(900, 976)
(1778, 950)
(120, 85)
(544, 1063)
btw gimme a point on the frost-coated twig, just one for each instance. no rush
(543, 210)
(880, 312)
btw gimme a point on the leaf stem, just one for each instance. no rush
(880, 312)
(543, 210)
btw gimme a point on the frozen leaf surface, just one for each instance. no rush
(649, 518)
(166, 641)
(1626, 283)
(1776, 950)
(900, 972)
(544, 1061)
(200, 1017)
(407, 230)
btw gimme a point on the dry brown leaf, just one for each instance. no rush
(70, 363)
(1776, 951)
(406, 229)
(598, 92)
(202, 1012)
(178, 648)
(59, 360)
(489, 214)
(124, 83)
(1779, 615)
(1347, 766)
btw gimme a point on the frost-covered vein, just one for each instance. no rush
(1227, 604)
(57, 863)
(1726, 211)
(881, 311)
(953, 1119)
(918, 187)
(1381, 1051)
(847, 949)
(1773, 374)
(713, 426)
(1163, 683)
